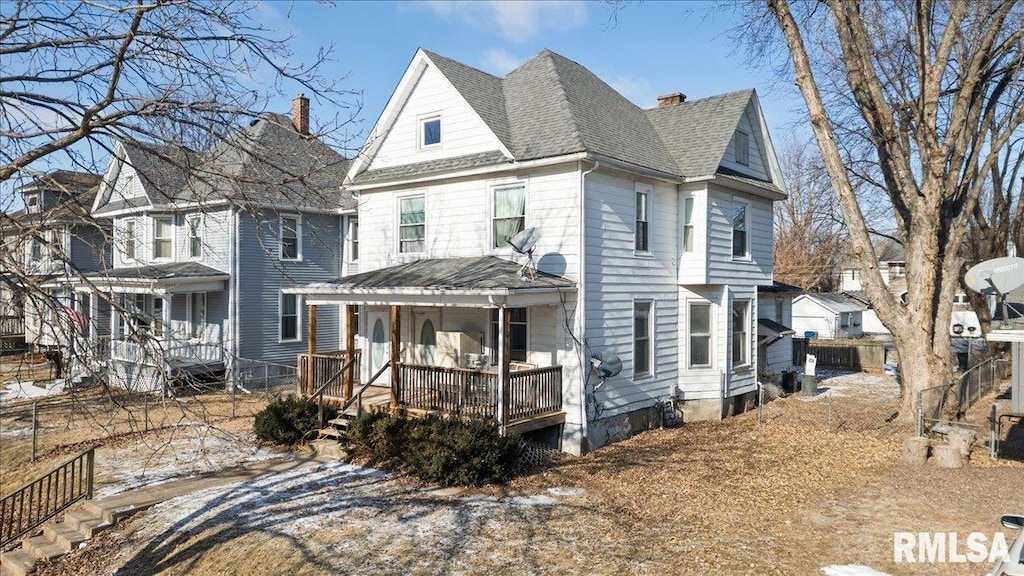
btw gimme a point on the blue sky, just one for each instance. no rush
(652, 48)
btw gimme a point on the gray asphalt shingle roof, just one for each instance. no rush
(161, 272)
(480, 273)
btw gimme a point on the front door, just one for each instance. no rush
(426, 323)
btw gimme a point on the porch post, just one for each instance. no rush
(396, 359)
(504, 351)
(310, 348)
(350, 345)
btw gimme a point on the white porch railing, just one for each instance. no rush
(156, 352)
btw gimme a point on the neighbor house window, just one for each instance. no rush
(853, 274)
(291, 234)
(509, 213)
(197, 313)
(642, 349)
(742, 148)
(844, 320)
(517, 331)
(740, 334)
(289, 317)
(412, 224)
(353, 240)
(195, 236)
(129, 240)
(700, 334)
(897, 270)
(779, 307)
(36, 250)
(162, 237)
(688, 238)
(642, 241)
(430, 131)
(739, 230)
(158, 317)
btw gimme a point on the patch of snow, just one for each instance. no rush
(566, 491)
(851, 570)
(21, 390)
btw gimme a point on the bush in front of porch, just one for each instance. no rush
(448, 452)
(286, 421)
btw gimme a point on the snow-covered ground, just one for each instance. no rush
(21, 390)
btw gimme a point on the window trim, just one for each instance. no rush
(353, 240)
(743, 158)
(746, 256)
(690, 334)
(647, 191)
(650, 339)
(747, 352)
(155, 238)
(421, 133)
(198, 235)
(398, 221)
(125, 257)
(689, 224)
(298, 237)
(280, 318)
(492, 188)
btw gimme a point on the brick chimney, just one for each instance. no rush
(671, 99)
(300, 114)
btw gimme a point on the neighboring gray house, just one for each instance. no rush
(205, 244)
(774, 330)
(828, 315)
(50, 242)
(655, 232)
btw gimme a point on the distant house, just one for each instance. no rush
(828, 315)
(52, 241)
(654, 233)
(205, 245)
(774, 330)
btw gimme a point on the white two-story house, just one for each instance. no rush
(654, 231)
(206, 243)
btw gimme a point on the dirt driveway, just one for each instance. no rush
(816, 484)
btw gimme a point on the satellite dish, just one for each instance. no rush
(997, 276)
(606, 365)
(523, 243)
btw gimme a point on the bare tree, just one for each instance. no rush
(933, 89)
(809, 236)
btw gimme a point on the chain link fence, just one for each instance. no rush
(950, 402)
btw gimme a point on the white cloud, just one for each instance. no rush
(500, 62)
(517, 20)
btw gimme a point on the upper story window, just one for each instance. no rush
(688, 232)
(897, 270)
(291, 237)
(740, 239)
(699, 354)
(740, 332)
(509, 213)
(779, 308)
(853, 274)
(642, 239)
(743, 148)
(128, 239)
(353, 240)
(32, 202)
(163, 235)
(412, 221)
(642, 337)
(36, 250)
(195, 236)
(430, 131)
(129, 186)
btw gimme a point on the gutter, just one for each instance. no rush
(506, 167)
(581, 298)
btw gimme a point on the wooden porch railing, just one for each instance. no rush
(458, 391)
(12, 325)
(326, 365)
(29, 507)
(534, 392)
(152, 352)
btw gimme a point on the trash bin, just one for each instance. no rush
(810, 384)
(788, 381)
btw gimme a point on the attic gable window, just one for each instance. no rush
(430, 132)
(743, 148)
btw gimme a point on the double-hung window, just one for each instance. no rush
(700, 334)
(739, 230)
(509, 213)
(353, 240)
(642, 338)
(642, 239)
(195, 236)
(412, 222)
(291, 237)
(688, 233)
(289, 315)
(163, 234)
(129, 239)
(740, 332)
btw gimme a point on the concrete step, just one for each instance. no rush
(85, 522)
(340, 422)
(65, 536)
(42, 547)
(330, 432)
(17, 563)
(329, 448)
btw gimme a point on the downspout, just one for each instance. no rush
(581, 310)
(234, 304)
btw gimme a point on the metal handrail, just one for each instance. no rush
(30, 506)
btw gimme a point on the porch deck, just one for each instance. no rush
(176, 357)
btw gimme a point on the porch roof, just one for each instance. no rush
(479, 281)
(166, 278)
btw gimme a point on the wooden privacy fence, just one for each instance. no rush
(852, 354)
(29, 507)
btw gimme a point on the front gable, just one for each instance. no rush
(758, 159)
(425, 103)
(122, 188)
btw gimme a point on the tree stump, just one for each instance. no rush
(915, 450)
(961, 442)
(947, 457)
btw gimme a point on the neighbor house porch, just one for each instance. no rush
(464, 336)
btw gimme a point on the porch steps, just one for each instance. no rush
(58, 539)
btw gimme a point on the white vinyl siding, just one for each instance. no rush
(723, 268)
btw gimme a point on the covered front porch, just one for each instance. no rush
(468, 337)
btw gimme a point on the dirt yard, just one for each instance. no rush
(817, 484)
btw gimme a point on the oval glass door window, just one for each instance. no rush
(428, 340)
(377, 345)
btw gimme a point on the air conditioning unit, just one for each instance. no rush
(474, 361)
(452, 348)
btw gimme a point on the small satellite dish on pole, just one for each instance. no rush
(523, 243)
(606, 366)
(997, 277)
